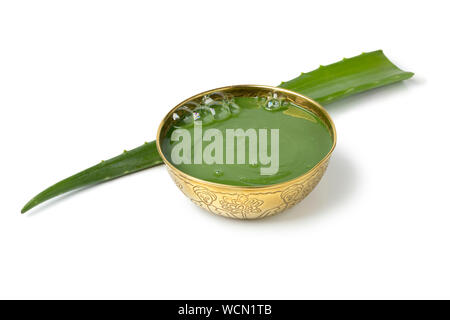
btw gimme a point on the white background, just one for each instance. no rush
(82, 80)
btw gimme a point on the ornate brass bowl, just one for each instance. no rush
(248, 202)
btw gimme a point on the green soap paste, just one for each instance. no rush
(304, 140)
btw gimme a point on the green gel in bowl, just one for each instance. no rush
(303, 140)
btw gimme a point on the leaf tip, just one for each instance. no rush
(24, 209)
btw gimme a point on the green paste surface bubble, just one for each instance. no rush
(304, 139)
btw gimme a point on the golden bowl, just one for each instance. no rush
(248, 202)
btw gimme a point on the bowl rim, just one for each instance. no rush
(247, 188)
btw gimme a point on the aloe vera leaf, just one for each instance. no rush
(347, 77)
(140, 158)
(325, 85)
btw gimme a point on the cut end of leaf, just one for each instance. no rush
(361, 73)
